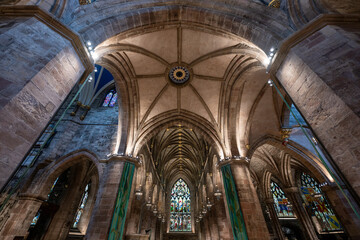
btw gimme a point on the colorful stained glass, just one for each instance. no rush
(113, 100)
(180, 215)
(317, 206)
(81, 207)
(35, 219)
(282, 205)
(52, 187)
(108, 99)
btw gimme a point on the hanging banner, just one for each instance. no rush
(236, 216)
(122, 201)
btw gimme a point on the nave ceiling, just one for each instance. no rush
(226, 102)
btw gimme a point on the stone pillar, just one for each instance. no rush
(238, 171)
(112, 196)
(345, 214)
(105, 201)
(40, 62)
(292, 193)
(319, 68)
(224, 226)
(274, 219)
(122, 201)
(214, 230)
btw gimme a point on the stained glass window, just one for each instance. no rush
(113, 100)
(52, 187)
(81, 207)
(317, 206)
(180, 215)
(110, 99)
(282, 205)
(35, 219)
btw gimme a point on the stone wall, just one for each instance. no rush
(96, 133)
(34, 82)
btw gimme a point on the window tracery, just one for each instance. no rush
(180, 211)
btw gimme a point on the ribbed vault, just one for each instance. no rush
(179, 151)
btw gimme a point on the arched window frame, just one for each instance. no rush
(179, 213)
(317, 205)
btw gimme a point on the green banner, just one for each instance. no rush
(236, 216)
(122, 201)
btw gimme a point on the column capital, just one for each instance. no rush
(234, 160)
(291, 190)
(33, 197)
(122, 158)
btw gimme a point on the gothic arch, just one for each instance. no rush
(300, 156)
(41, 184)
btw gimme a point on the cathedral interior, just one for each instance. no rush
(180, 119)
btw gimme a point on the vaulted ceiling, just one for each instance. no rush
(227, 95)
(179, 151)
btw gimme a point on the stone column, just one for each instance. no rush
(112, 190)
(40, 62)
(292, 193)
(238, 170)
(318, 67)
(274, 219)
